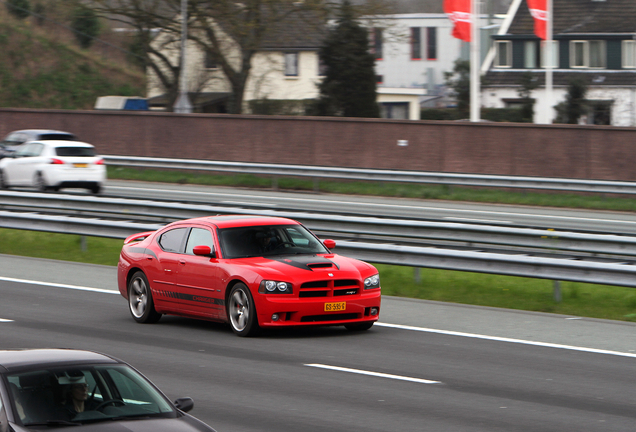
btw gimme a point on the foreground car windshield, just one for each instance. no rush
(253, 241)
(85, 394)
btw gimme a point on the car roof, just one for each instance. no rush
(41, 131)
(62, 143)
(234, 221)
(12, 360)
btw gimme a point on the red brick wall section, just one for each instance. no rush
(570, 151)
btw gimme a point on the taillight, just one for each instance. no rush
(100, 162)
(57, 161)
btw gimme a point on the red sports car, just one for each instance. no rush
(250, 271)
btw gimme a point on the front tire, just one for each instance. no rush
(142, 307)
(242, 311)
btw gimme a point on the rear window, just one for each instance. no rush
(58, 136)
(75, 151)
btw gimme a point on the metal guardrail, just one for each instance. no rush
(121, 217)
(318, 172)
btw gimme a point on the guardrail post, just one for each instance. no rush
(417, 276)
(557, 291)
(316, 184)
(275, 183)
(83, 244)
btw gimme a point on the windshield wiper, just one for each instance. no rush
(53, 423)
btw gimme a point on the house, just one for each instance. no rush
(414, 47)
(594, 41)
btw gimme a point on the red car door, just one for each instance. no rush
(162, 270)
(197, 280)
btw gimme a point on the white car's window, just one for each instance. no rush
(75, 151)
(197, 237)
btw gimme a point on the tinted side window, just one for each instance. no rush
(171, 241)
(199, 236)
(75, 151)
(58, 136)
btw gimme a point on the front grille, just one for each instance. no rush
(345, 282)
(316, 284)
(313, 294)
(330, 317)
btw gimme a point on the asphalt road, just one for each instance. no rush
(445, 211)
(491, 369)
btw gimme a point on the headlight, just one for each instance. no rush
(275, 287)
(372, 282)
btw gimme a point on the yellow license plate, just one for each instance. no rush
(335, 307)
(80, 165)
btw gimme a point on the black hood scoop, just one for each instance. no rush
(306, 262)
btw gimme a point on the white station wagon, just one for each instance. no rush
(53, 165)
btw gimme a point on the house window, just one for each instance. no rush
(322, 67)
(629, 54)
(416, 43)
(587, 54)
(544, 54)
(530, 54)
(210, 61)
(431, 43)
(376, 43)
(291, 64)
(503, 58)
(394, 110)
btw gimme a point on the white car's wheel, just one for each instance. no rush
(40, 183)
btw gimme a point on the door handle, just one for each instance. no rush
(182, 262)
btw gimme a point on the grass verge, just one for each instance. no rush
(597, 301)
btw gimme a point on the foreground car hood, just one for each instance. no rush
(182, 424)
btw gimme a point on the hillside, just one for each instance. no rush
(40, 69)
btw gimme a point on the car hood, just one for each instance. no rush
(306, 265)
(181, 424)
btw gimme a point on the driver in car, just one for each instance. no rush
(76, 393)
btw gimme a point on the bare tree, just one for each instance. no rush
(231, 31)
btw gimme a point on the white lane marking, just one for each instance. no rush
(57, 285)
(5, 320)
(376, 204)
(510, 340)
(375, 374)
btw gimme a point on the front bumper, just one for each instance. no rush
(294, 311)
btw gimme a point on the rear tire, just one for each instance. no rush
(3, 181)
(140, 303)
(40, 183)
(242, 312)
(96, 189)
(359, 327)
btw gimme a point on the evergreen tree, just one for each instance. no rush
(528, 83)
(85, 24)
(459, 82)
(19, 8)
(574, 105)
(349, 85)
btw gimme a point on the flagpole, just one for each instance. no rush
(549, 65)
(474, 62)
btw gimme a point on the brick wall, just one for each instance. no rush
(595, 152)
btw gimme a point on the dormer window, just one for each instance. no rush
(588, 54)
(503, 58)
(629, 54)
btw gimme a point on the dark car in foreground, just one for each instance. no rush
(14, 139)
(77, 390)
(248, 271)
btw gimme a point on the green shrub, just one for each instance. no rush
(19, 8)
(85, 25)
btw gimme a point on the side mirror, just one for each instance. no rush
(329, 244)
(203, 250)
(184, 404)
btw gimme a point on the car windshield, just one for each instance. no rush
(58, 136)
(267, 240)
(75, 151)
(85, 394)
